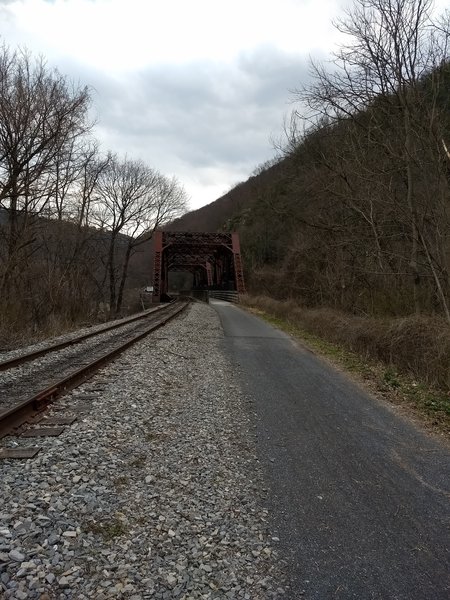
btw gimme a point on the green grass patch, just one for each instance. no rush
(108, 530)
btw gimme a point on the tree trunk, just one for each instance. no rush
(112, 275)
(123, 278)
(413, 263)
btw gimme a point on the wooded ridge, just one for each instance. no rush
(355, 214)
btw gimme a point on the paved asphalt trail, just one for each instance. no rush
(359, 496)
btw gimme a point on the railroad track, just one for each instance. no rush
(31, 381)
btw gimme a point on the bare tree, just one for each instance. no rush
(164, 200)
(70, 218)
(132, 200)
(385, 82)
(41, 116)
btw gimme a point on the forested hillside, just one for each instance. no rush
(356, 213)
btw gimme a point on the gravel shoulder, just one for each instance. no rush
(155, 493)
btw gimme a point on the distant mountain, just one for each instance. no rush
(226, 212)
(211, 217)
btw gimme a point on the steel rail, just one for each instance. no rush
(18, 415)
(29, 356)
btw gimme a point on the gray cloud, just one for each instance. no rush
(204, 114)
(206, 122)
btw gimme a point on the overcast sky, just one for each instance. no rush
(195, 88)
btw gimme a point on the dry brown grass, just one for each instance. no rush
(415, 345)
(17, 328)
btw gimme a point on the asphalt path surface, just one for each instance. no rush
(358, 495)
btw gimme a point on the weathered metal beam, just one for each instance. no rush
(214, 259)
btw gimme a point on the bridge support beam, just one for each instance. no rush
(213, 258)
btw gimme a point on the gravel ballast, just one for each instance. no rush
(156, 492)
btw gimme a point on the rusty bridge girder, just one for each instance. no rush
(213, 258)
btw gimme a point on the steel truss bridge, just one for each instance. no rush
(214, 259)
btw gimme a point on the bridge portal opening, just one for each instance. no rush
(212, 259)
